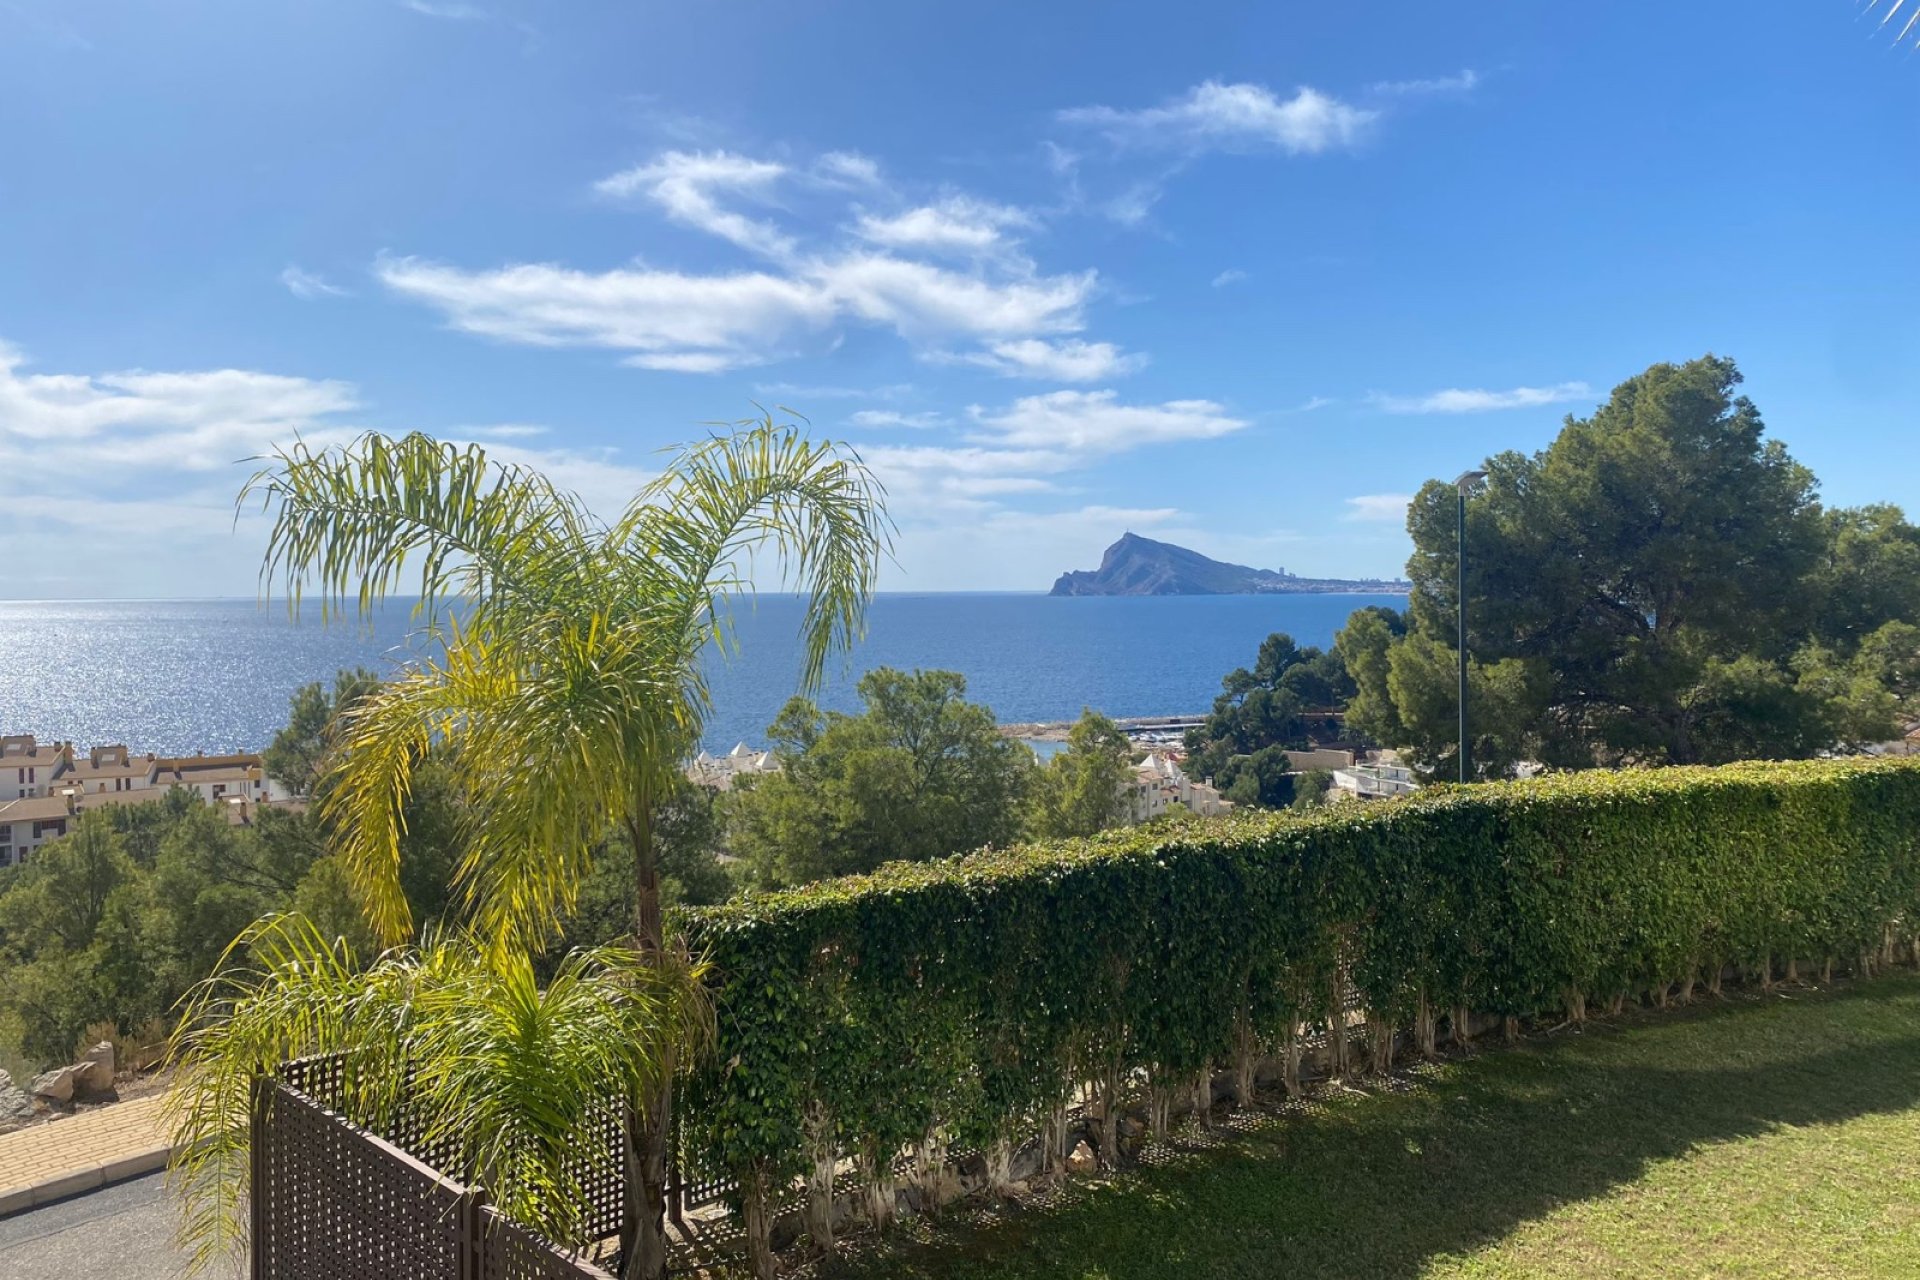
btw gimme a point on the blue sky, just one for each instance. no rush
(1240, 276)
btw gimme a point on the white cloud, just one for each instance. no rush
(1232, 275)
(1465, 82)
(708, 323)
(1073, 360)
(446, 9)
(803, 391)
(847, 169)
(1378, 507)
(1216, 116)
(957, 224)
(894, 418)
(922, 300)
(672, 320)
(685, 183)
(503, 431)
(1134, 205)
(1476, 400)
(98, 459)
(1097, 423)
(308, 285)
(77, 425)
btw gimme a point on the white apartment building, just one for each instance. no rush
(27, 767)
(45, 786)
(1159, 785)
(719, 772)
(1375, 781)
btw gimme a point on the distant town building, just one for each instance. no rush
(1379, 781)
(1319, 758)
(45, 786)
(1159, 785)
(719, 772)
(26, 767)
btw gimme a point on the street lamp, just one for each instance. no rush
(1466, 481)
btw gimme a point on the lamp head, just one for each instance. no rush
(1468, 479)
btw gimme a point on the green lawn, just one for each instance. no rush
(1762, 1135)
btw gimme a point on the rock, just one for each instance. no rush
(1137, 566)
(1028, 1161)
(94, 1072)
(16, 1108)
(55, 1085)
(1081, 1160)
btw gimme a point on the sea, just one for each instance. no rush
(179, 676)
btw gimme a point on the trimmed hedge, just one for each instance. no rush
(968, 998)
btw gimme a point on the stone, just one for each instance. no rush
(94, 1072)
(1081, 1160)
(16, 1108)
(55, 1085)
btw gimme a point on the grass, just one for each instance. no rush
(1763, 1135)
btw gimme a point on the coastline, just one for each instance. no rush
(1057, 730)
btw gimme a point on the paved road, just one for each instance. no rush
(122, 1232)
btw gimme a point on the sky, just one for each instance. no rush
(1238, 276)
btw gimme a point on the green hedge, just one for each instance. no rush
(971, 995)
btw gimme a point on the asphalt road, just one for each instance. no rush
(122, 1232)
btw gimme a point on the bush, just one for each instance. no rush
(966, 999)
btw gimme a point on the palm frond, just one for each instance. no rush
(815, 505)
(1892, 12)
(346, 521)
(509, 1076)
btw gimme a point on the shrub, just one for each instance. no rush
(965, 1000)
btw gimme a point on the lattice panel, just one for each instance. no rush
(511, 1252)
(335, 1204)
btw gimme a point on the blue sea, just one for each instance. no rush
(215, 675)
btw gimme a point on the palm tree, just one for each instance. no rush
(506, 1075)
(1893, 11)
(569, 667)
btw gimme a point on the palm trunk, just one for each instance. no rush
(648, 1130)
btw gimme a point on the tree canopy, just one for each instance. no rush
(920, 773)
(1261, 714)
(1083, 789)
(1659, 585)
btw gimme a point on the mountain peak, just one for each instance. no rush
(1140, 566)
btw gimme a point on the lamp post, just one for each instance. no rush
(1466, 481)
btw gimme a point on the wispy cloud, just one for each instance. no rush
(662, 319)
(894, 418)
(1381, 508)
(309, 285)
(1070, 361)
(707, 323)
(446, 9)
(803, 391)
(158, 454)
(1216, 116)
(1479, 400)
(957, 224)
(1099, 423)
(1232, 275)
(848, 169)
(896, 272)
(504, 431)
(1464, 82)
(685, 185)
